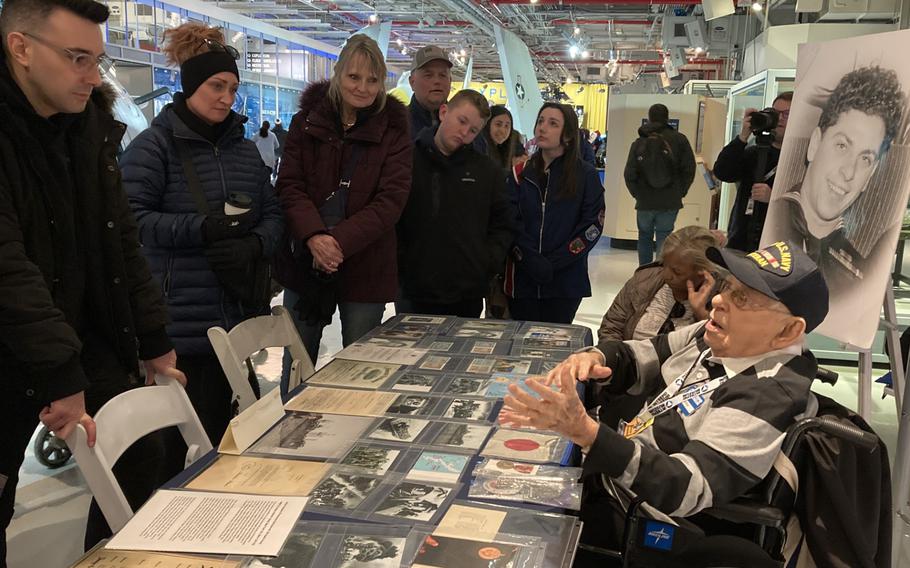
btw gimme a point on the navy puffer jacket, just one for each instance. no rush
(170, 227)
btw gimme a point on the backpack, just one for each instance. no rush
(654, 160)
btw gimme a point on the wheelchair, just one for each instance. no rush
(753, 529)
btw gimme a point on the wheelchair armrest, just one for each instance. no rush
(748, 511)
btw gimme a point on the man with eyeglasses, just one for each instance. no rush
(79, 306)
(721, 394)
(737, 163)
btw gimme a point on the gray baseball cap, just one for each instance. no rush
(429, 53)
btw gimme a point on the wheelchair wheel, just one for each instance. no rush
(50, 450)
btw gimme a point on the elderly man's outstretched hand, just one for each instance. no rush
(579, 367)
(560, 411)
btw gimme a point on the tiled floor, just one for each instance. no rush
(51, 504)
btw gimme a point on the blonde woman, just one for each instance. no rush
(344, 179)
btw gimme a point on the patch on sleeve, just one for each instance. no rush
(592, 232)
(576, 246)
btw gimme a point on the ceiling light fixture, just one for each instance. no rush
(698, 50)
(463, 52)
(577, 30)
(399, 42)
(757, 6)
(585, 54)
(374, 18)
(573, 51)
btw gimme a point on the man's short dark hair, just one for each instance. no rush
(871, 90)
(659, 113)
(22, 15)
(785, 96)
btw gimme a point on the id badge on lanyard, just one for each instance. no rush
(686, 401)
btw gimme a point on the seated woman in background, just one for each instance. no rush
(665, 295)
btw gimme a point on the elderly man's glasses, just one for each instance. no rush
(741, 298)
(82, 62)
(218, 46)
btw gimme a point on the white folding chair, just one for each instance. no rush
(246, 338)
(120, 423)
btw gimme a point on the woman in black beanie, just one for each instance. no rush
(208, 216)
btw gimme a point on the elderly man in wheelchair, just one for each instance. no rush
(721, 394)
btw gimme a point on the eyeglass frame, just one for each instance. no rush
(229, 49)
(739, 297)
(103, 63)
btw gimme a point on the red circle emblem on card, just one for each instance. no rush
(521, 445)
(489, 553)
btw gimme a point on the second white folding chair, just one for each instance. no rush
(233, 348)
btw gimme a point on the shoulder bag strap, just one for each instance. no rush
(192, 179)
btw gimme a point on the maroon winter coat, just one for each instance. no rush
(311, 167)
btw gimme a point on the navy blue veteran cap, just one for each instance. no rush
(782, 272)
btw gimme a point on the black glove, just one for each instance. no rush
(218, 227)
(234, 254)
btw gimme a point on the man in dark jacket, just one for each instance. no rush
(281, 134)
(737, 162)
(657, 206)
(80, 308)
(457, 225)
(431, 81)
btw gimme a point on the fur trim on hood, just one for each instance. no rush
(316, 93)
(104, 96)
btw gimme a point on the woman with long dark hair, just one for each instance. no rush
(560, 204)
(502, 141)
(267, 143)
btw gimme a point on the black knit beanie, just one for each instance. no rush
(197, 69)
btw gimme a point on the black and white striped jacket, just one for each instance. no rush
(684, 464)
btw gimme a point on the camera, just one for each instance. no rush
(763, 123)
(764, 120)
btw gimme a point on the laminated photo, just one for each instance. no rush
(466, 436)
(468, 409)
(429, 320)
(519, 445)
(446, 552)
(478, 333)
(343, 491)
(390, 342)
(371, 552)
(299, 551)
(438, 467)
(481, 366)
(483, 348)
(467, 385)
(312, 435)
(398, 429)
(416, 501)
(412, 404)
(370, 458)
(416, 382)
(434, 362)
(355, 374)
(843, 177)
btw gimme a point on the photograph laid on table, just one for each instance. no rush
(371, 458)
(398, 429)
(417, 382)
(468, 409)
(438, 467)
(842, 181)
(412, 404)
(465, 436)
(417, 501)
(370, 552)
(343, 491)
(354, 374)
(299, 551)
(312, 435)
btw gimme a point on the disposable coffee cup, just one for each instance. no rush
(237, 204)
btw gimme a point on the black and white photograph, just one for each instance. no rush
(483, 348)
(370, 458)
(549, 332)
(431, 320)
(481, 366)
(468, 409)
(416, 382)
(343, 491)
(390, 342)
(478, 333)
(511, 366)
(408, 331)
(441, 346)
(467, 385)
(299, 551)
(466, 436)
(370, 552)
(487, 325)
(312, 435)
(413, 405)
(434, 362)
(546, 343)
(399, 429)
(842, 181)
(417, 501)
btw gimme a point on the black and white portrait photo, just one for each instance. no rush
(842, 184)
(343, 491)
(416, 501)
(371, 552)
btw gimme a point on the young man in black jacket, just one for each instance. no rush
(79, 305)
(736, 163)
(656, 206)
(458, 224)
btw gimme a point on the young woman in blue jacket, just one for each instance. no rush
(560, 205)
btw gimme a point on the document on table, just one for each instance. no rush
(381, 354)
(473, 523)
(260, 476)
(211, 523)
(104, 558)
(251, 424)
(342, 401)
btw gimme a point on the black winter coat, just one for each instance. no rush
(456, 227)
(170, 225)
(41, 354)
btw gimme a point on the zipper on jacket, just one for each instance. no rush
(224, 192)
(543, 218)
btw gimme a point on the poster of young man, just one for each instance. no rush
(841, 187)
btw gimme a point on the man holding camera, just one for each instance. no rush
(737, 163)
